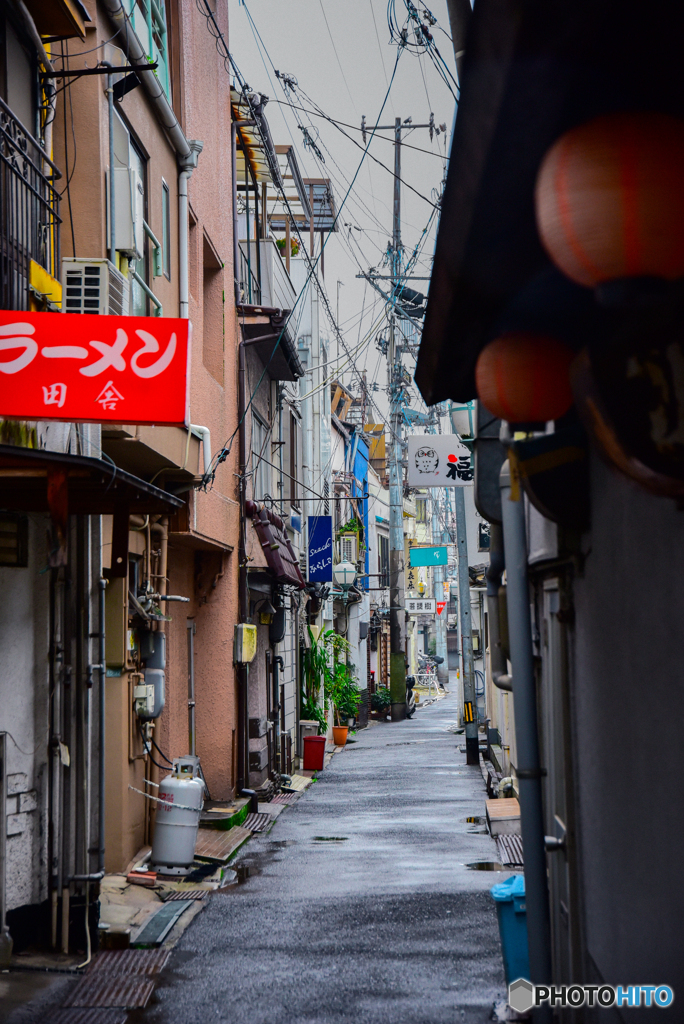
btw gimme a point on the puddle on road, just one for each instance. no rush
(330, 839)
(486, 865)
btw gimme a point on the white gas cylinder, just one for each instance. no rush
(181, 797)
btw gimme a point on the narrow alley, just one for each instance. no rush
(360, 904)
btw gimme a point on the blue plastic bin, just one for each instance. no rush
(511, 911)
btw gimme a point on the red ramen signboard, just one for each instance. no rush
(116, 369)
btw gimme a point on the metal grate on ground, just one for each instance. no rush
(130, 961)
(257, 822)
(111, 990)
(187, 894)
(510, 850)
(285, 798)
(88, 1016)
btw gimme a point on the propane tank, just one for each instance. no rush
(181, 796)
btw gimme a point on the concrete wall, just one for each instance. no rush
(24, 716)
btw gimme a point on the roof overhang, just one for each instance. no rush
(266, 331)
(30, 477)
(532, 70)
(256, 143)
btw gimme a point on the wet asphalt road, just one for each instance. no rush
(359, 905)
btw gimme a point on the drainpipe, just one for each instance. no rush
(112, 185)
(134, 50)
(526, 735)
(188, 163)
(493, 577)
(204, 434)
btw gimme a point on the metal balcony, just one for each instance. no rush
(29, 211)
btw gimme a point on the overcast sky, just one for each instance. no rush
(347, 76)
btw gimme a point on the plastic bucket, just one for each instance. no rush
(509, 897)
(314, 753)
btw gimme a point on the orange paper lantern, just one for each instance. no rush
(524, 378)
(610, 199)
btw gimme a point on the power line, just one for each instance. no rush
(344, 77)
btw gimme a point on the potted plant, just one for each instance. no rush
(294, 246)
(345, 698)
(321, 661)
(381, 701)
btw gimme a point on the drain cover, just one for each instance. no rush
(130, 961)
(184, 894)
(285, 798)
(510, 850)
(89, 1016)
(112, 990)
(257, 822)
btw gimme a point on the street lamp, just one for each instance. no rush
(345, 575)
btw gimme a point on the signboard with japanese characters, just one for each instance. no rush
(84, 368)
(419, 605)
(439, 460)
(320, 549)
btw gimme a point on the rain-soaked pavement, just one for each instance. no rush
(359, 905)
(362, 905)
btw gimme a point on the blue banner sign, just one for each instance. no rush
(428, 556)
(320, 549)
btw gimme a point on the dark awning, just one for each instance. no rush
(531, 71)
(93, 486)
(280, 556)
(266, 331)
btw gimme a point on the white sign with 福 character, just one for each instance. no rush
(439, 460)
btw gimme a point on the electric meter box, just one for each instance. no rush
(245, 643)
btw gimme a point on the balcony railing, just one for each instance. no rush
(250, 292)
(29, 211)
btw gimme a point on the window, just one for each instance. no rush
(166, 230)
(383, 561)
(139, 300)
(294, 460)
(260, 470)
(149, 21)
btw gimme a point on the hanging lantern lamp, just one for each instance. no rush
(610, 201)
(524, 378)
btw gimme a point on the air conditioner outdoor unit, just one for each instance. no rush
(129, 212)
(93, 286)
(349, 549)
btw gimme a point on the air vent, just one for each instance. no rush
(93, 286)
(13, 540)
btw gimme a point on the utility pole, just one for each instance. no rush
(466, 633)
(396, 475)
(397, 625)
(439, 537)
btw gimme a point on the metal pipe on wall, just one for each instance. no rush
(188, 163)
(526, 734)
(112, 184)
(192, 629)
(493, 577)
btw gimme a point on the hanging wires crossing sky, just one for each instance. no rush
(340, 70)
